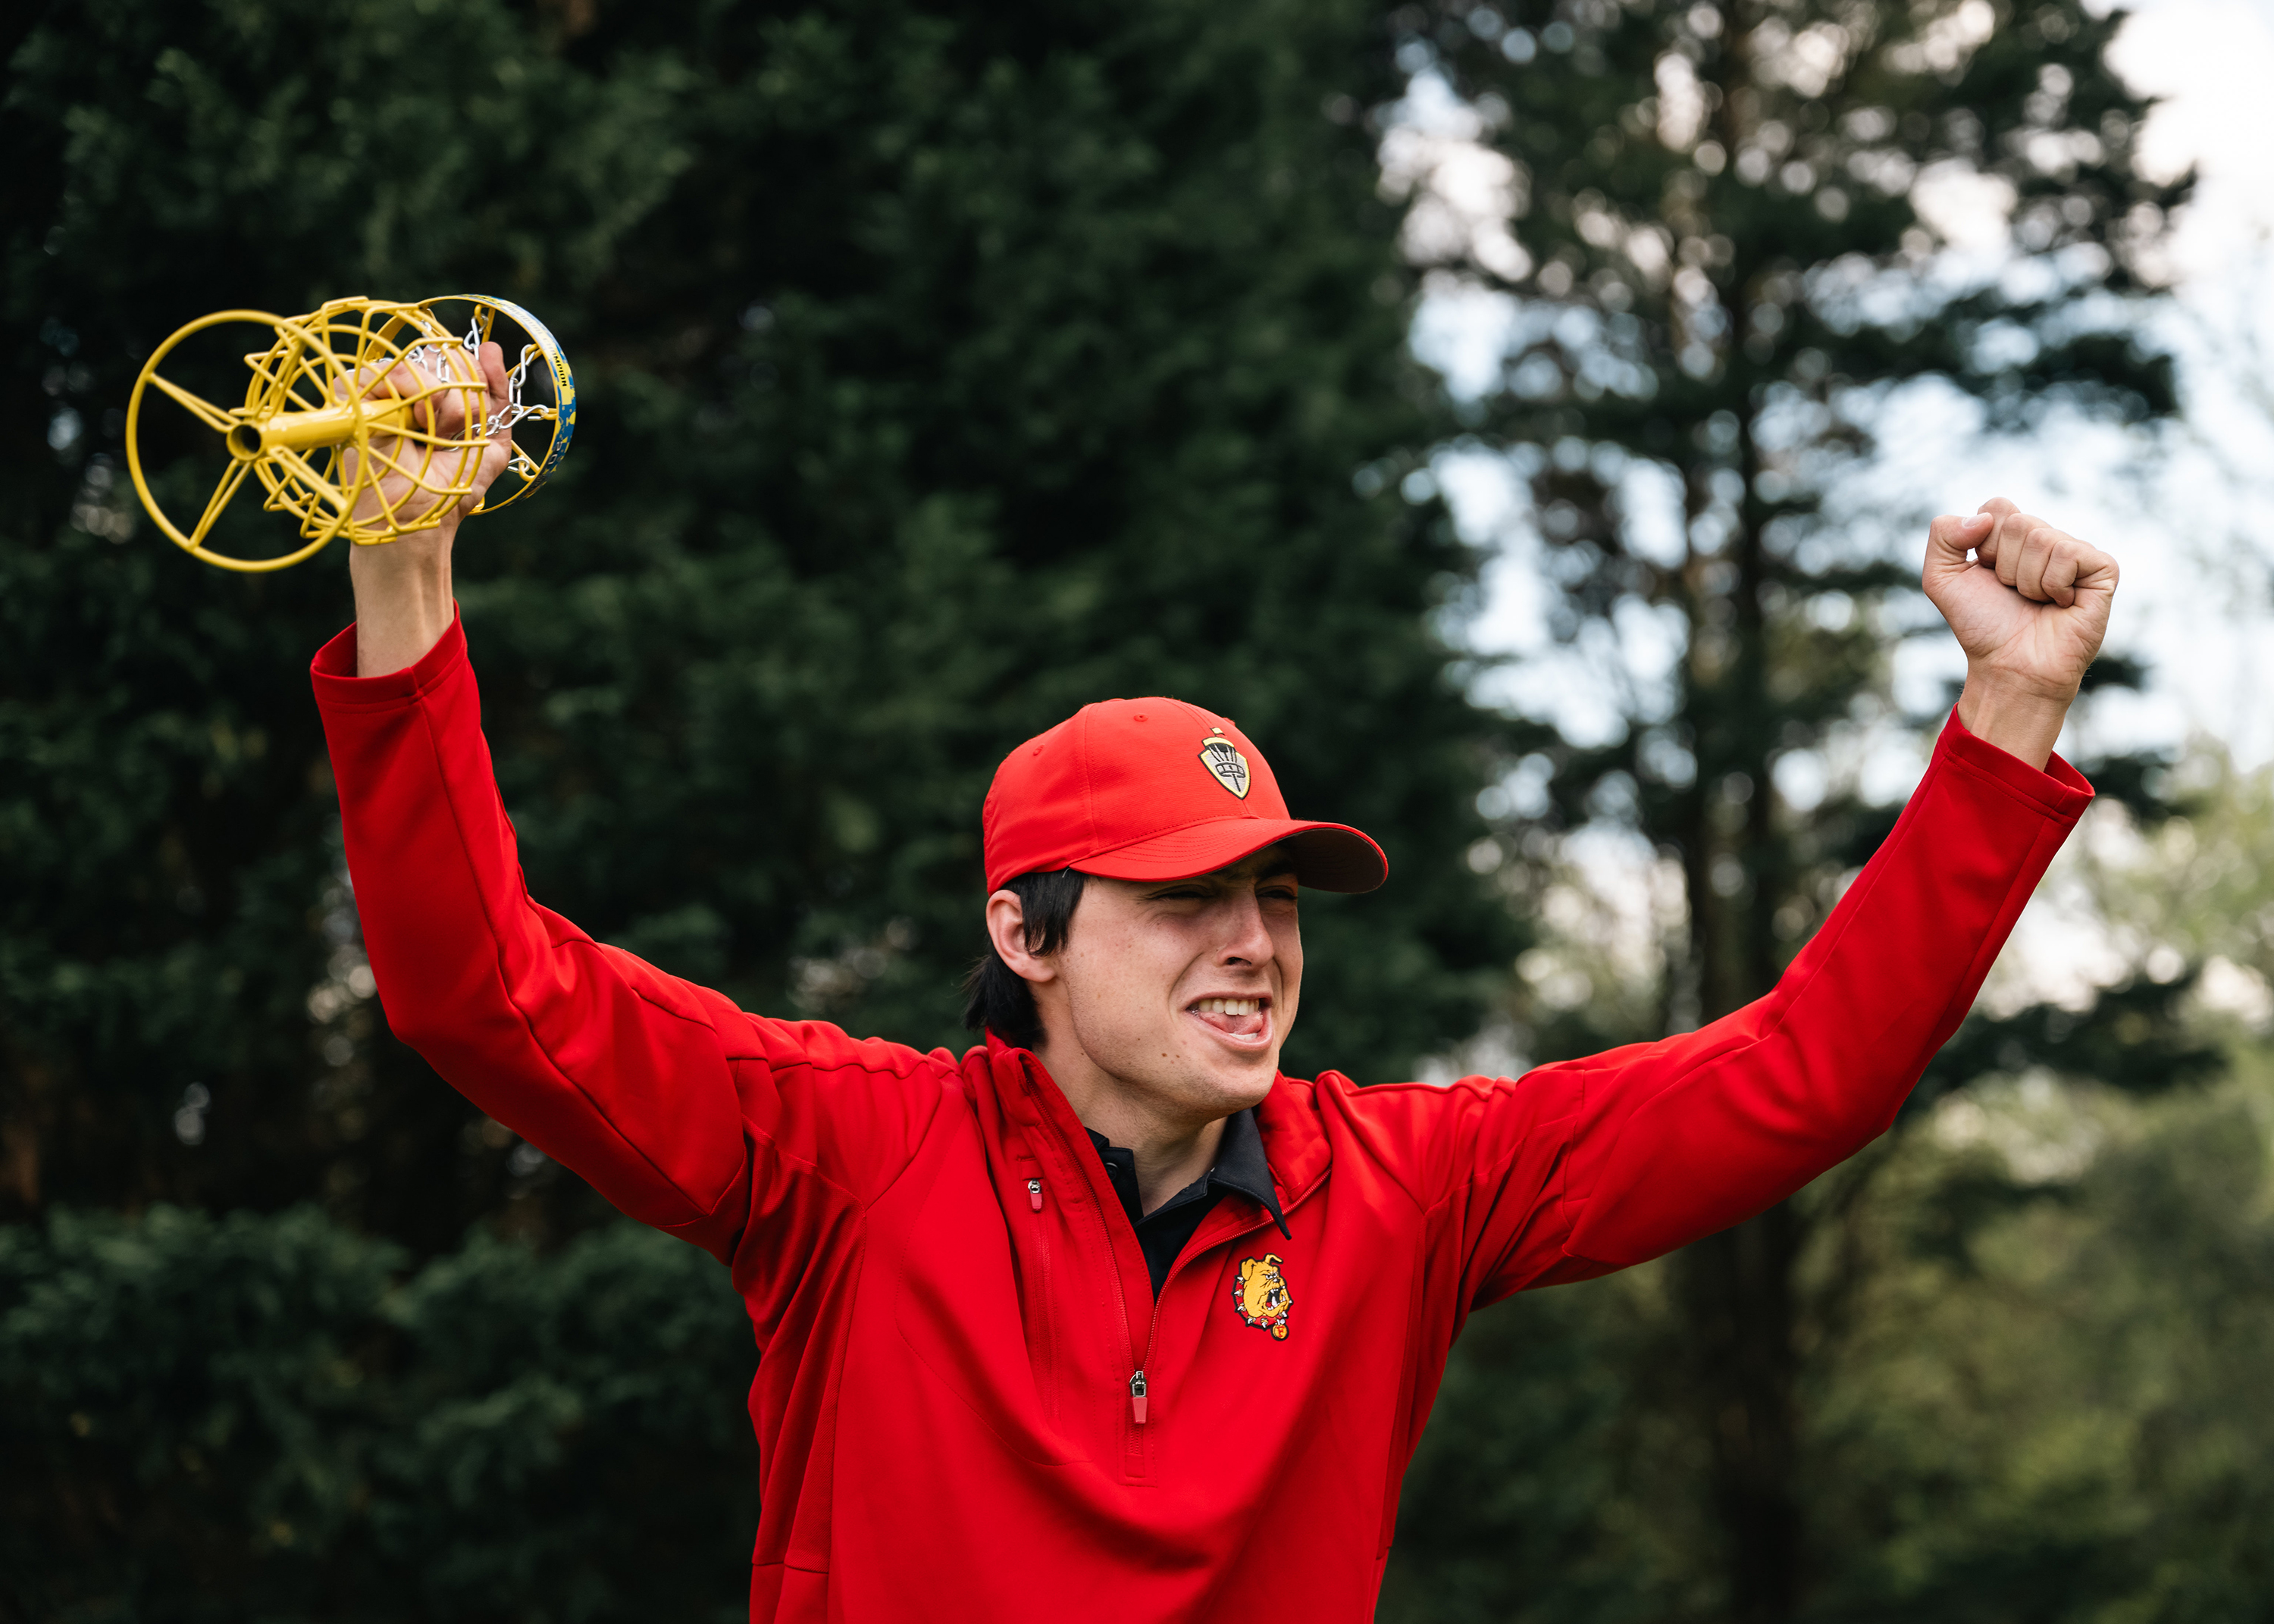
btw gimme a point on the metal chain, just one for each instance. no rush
(429, 357)
(513, 410)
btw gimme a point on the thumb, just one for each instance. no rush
(1949, 537)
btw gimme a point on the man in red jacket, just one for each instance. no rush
(1108, 1316)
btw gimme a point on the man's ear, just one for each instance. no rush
(1006, 928)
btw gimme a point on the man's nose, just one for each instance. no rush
(1247, 938)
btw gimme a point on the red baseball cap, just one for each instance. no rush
(1155, 789)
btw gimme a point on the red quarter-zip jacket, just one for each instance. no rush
(969, 1404)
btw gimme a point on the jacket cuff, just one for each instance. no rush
(339, 688)
(2060, 789)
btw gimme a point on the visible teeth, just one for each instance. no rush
(1230, 1006)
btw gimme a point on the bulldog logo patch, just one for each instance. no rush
(1261, 1298)
(1223, 758)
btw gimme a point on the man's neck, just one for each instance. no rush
(1170, 1154)
(1164, 1166)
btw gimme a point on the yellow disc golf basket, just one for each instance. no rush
(367, 418)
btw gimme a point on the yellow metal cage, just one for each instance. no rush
(368, 418)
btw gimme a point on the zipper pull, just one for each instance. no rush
(1137, 1398)
(1034, 1193)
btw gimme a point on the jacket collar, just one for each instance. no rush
(1239, 1166)
(1279, 1145)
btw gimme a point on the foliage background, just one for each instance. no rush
(942, 370)
(944, 366)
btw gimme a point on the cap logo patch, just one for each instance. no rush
(1223, 758)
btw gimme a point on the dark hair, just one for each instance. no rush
(997, 997)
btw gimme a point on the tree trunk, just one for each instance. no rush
(1736, 1292)
(1736, 1289)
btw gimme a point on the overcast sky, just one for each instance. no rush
(2187, 509)
(2184, 510)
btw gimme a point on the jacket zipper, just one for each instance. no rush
(1137, 1406)
(1049, 1303)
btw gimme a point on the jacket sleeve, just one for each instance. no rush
(679, 1109)
(1588, 1166)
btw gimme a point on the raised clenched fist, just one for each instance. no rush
(2030, 608)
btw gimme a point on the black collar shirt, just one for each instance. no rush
(1240, 1169)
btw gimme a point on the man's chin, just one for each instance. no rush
(1234, 1087)
(1199, 1081)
